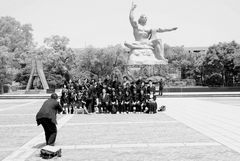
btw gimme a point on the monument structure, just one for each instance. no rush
(37, 78)
(147, 50)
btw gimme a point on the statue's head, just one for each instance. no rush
(142, 20)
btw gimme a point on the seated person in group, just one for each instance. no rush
(142, 99)
(120, 100)
(113, 103)
(104, 102)
(151, 103)
(135, 101)
(127, 102)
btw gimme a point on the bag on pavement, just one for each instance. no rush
(162, 108)
(48, 152)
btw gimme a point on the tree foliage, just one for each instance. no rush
(100, 61)
(57, 58)
(15, 42)
(220, 59)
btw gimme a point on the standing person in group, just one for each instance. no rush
(142, 87)
(116, 84)
(64, 100)
(142, 99)
(127, 102)
(120, 98)
(72, 99)
(108, 81)
(151, 87)
(135, 101)
(113, 102)
(161, 85)
(104, 102)
(125, 82)
(99, 87)
(47, 118)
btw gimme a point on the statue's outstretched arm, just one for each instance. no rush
(166, 30)
(131, 16)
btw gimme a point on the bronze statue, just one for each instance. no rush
(146, 38)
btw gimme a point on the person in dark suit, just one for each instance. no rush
(113, 102)
(47, 118)
(120, 97)
(151, 87)
(142, 87)
(135, 101)
(104, 102)
(151, 103)
(161, 84)
(142, 99)
(116, 84)
(127, 102)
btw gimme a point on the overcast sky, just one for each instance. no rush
(105, 22)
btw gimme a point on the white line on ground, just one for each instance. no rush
(17, 106)
(19, 114)
(123, 122)
(28, 149)
(7, 149)
(18, 125)
(93, 123)
(138, 145)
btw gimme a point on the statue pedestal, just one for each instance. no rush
(143, 63)
(144, 57)
(147, 71)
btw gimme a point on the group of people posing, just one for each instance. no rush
(108, 96)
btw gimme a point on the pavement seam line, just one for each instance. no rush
(138, 145)
(28, 148)
(16, 106)
(126, 122)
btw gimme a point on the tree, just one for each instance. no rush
(56, 42)
(15, 42)
(220, 59)
(181, 59)
(57, 58)
(17, 38)
(100, 61)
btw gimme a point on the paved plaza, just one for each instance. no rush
(191, 129)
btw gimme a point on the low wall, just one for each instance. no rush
(201, 89)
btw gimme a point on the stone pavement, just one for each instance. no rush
(217, 118)
(196, 129)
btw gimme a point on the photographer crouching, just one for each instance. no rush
(47, 118)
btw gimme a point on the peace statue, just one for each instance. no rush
(147, 47)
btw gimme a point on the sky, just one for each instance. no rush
(101, 23)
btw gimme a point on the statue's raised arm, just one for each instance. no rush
(131, 16)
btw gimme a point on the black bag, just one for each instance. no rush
(162, 108)
(48, 152)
